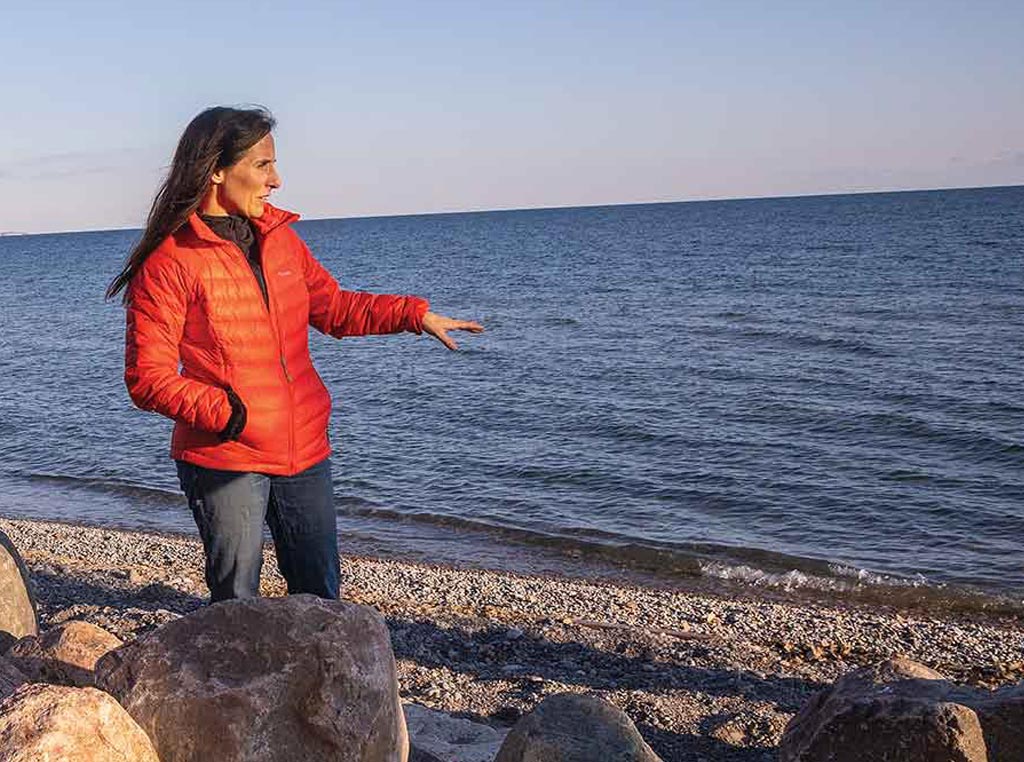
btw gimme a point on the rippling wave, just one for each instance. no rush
(143, 493)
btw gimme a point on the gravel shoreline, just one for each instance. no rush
(704, 676)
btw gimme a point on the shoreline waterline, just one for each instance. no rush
(368, 531)
(846, 588)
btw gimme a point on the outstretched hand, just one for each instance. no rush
(439, 325)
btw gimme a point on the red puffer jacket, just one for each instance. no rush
(195, 302)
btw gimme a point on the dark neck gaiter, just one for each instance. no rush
(240, 232)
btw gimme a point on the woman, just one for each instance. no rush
(221, 287)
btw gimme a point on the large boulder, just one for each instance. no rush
(17, 606)
(898, 711)
(65, 655)
(11, 678)
(568, 727)
(42, 723)
(264, 679)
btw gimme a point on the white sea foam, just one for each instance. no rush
(846, 577)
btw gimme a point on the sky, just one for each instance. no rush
(414, 107)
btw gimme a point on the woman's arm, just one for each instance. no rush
(157, 303)
(337, 312)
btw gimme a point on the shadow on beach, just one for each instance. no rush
(488, 654)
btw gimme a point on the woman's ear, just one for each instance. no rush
(217, 177)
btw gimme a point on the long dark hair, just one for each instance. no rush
(215, 139)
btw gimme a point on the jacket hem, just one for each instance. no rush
(250, 466)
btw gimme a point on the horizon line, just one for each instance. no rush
(716, 199)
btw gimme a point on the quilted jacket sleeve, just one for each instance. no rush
(337, 312)
(157, 304)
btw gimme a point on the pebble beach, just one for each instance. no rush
(704, 674)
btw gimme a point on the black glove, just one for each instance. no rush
(236, 423)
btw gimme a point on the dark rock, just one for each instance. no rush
(417, 754)
(39, 723)
(507, 714)
(569, 727)
(11, 678)
(1002, 722)
(17, 605)
(264, 679)
(6, 641)
(898, 711)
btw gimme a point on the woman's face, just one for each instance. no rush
(243, 188)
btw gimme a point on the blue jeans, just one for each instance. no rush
(230, 508)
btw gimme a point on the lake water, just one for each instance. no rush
(822, 391)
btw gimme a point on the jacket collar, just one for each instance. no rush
(271, 218)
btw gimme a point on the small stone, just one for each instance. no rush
(731, 731)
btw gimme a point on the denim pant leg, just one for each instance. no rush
(229, 508)
(304, 526)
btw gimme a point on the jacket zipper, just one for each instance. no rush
(272, 317)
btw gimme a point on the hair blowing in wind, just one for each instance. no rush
(216, 138)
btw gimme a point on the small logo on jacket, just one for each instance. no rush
(284, 272)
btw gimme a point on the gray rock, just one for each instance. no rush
(898, 711)
(64, 655)
(264, 679)
(40, 723)
(438, 735)
(569, 727)
(17, 606)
